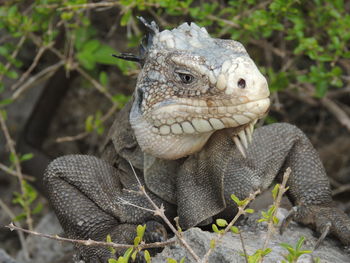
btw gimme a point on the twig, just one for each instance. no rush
(13, 173)
(16, 162)
(82, 135)
(45, 73)
(341, 189)
(159, 211)
(240, 212)
(341, 115)
(11, 215)
(30, 69)
(13, 55)
(65, 60)
(281, 190)
(90, 242)
(243, 246)
(95, 83)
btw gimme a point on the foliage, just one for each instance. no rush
(132, 251)
(294, 252)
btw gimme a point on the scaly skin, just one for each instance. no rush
(186, 132)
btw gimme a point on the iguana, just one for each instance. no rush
(188, 132)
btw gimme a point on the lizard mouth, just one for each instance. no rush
(175, 129)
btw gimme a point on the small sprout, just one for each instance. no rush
(212, 243)
(234, 230)
(133, 255)
(249, 211)
(171, 260)
(182, 260)
(127, 254)
(109, 240)
(294, 253)
(275, 191)
(140, 230)
(147, 256)
(221, 222)
(239, 202)
(215, 229)
(137, 241)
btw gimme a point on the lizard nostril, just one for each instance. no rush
(241, 83)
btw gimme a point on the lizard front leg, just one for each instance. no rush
(280, 146)
(274, 148)
(86, 195)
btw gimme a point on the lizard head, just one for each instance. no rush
(192, 85)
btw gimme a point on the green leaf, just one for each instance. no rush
(108, 238)
(37, 209)
(212, 243)
(20, 217)
(249, 211)
(140, 231)
(103, 78)
(266, 251)
(112, 260)
(5, 102)
(137, 241)
(235, 199)
(147, 256)
(89, 127)
(275, 191)
(87, 60)
(125, 18)
(103, 55)
(300, 243)
(215, 228)
(234, 230)
(221, 222)
(67, 15)
(91, 46)
(182, 260)
(171, 260)
(26, 157)
(134, 254)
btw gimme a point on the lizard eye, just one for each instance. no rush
(186, 78)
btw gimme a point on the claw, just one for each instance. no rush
(288, 218)
(323, 235)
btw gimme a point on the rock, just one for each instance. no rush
(5, 258)
(254, 235)
(44, 250)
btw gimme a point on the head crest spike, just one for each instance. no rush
(129, 57)
(153, 27)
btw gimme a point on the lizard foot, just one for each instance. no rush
(325, 219)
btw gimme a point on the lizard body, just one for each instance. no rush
(189, 135)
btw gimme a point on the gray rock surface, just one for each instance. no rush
(5, 258)
(254, 235)
(43, 250)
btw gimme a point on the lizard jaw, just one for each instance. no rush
(166, 142)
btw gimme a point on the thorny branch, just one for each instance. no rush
(90, 242)
(159, 211)
(8, 211)
(281, 190)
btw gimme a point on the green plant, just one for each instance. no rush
(131, 252)
(294, 252)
